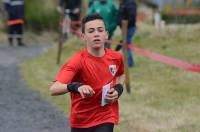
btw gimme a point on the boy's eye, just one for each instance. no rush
(90, 30)
(100, 29)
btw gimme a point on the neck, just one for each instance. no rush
(98, 52)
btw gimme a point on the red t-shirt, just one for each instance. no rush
(96, 72)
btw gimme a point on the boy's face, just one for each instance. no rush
(95, 34)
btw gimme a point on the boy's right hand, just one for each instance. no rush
(86, 90)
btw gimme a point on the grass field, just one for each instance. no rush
(163, 98)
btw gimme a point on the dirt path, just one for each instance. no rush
(23, 110)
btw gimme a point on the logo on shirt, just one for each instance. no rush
(113, 69)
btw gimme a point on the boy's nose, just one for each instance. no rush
(96, 35)
(95, 32)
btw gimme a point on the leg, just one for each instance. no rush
(11, 32)
(19, 34)
(106, 127)
(130, 58)
(130, 34)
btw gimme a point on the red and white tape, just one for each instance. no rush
(158, 57)
(167, 60)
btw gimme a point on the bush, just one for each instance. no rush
(41, 15)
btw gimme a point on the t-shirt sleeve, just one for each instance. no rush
(120, 70)
(69, 69)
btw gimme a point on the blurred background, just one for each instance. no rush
(163, 98)
(42, 15)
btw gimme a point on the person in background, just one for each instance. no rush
(108, 10)
(15, 11)
(91, 2)
(157, 19)
(127, 22)
(73, 8)
(94, 77)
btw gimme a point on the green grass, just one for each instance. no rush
(163, 98)
(41, 15)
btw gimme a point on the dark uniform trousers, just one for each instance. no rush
(15, 11)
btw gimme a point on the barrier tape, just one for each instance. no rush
(166, 59)
(158, 57)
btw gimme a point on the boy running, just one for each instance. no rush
(94, 77)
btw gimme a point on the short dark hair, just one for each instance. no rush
(90, 17)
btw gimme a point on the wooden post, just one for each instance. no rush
(127, 80)
(60, 45)
(61, 39)
(64, 32)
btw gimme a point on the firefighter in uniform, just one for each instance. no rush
(15, 11)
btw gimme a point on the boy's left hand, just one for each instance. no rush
(111, 95)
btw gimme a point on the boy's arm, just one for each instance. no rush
(63, 82)
(120, 79)
(59, 88)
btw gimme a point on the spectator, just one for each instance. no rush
(157, 19)
(15, 11)
(73, 7)
(127, 22)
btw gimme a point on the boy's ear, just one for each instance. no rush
(107, 35)
(82, 36)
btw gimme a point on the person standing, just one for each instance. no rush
(15, 11)
(127, 22)
(73, 8)
(94, 77)
(108, 10)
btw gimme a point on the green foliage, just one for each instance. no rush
(41, 15)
